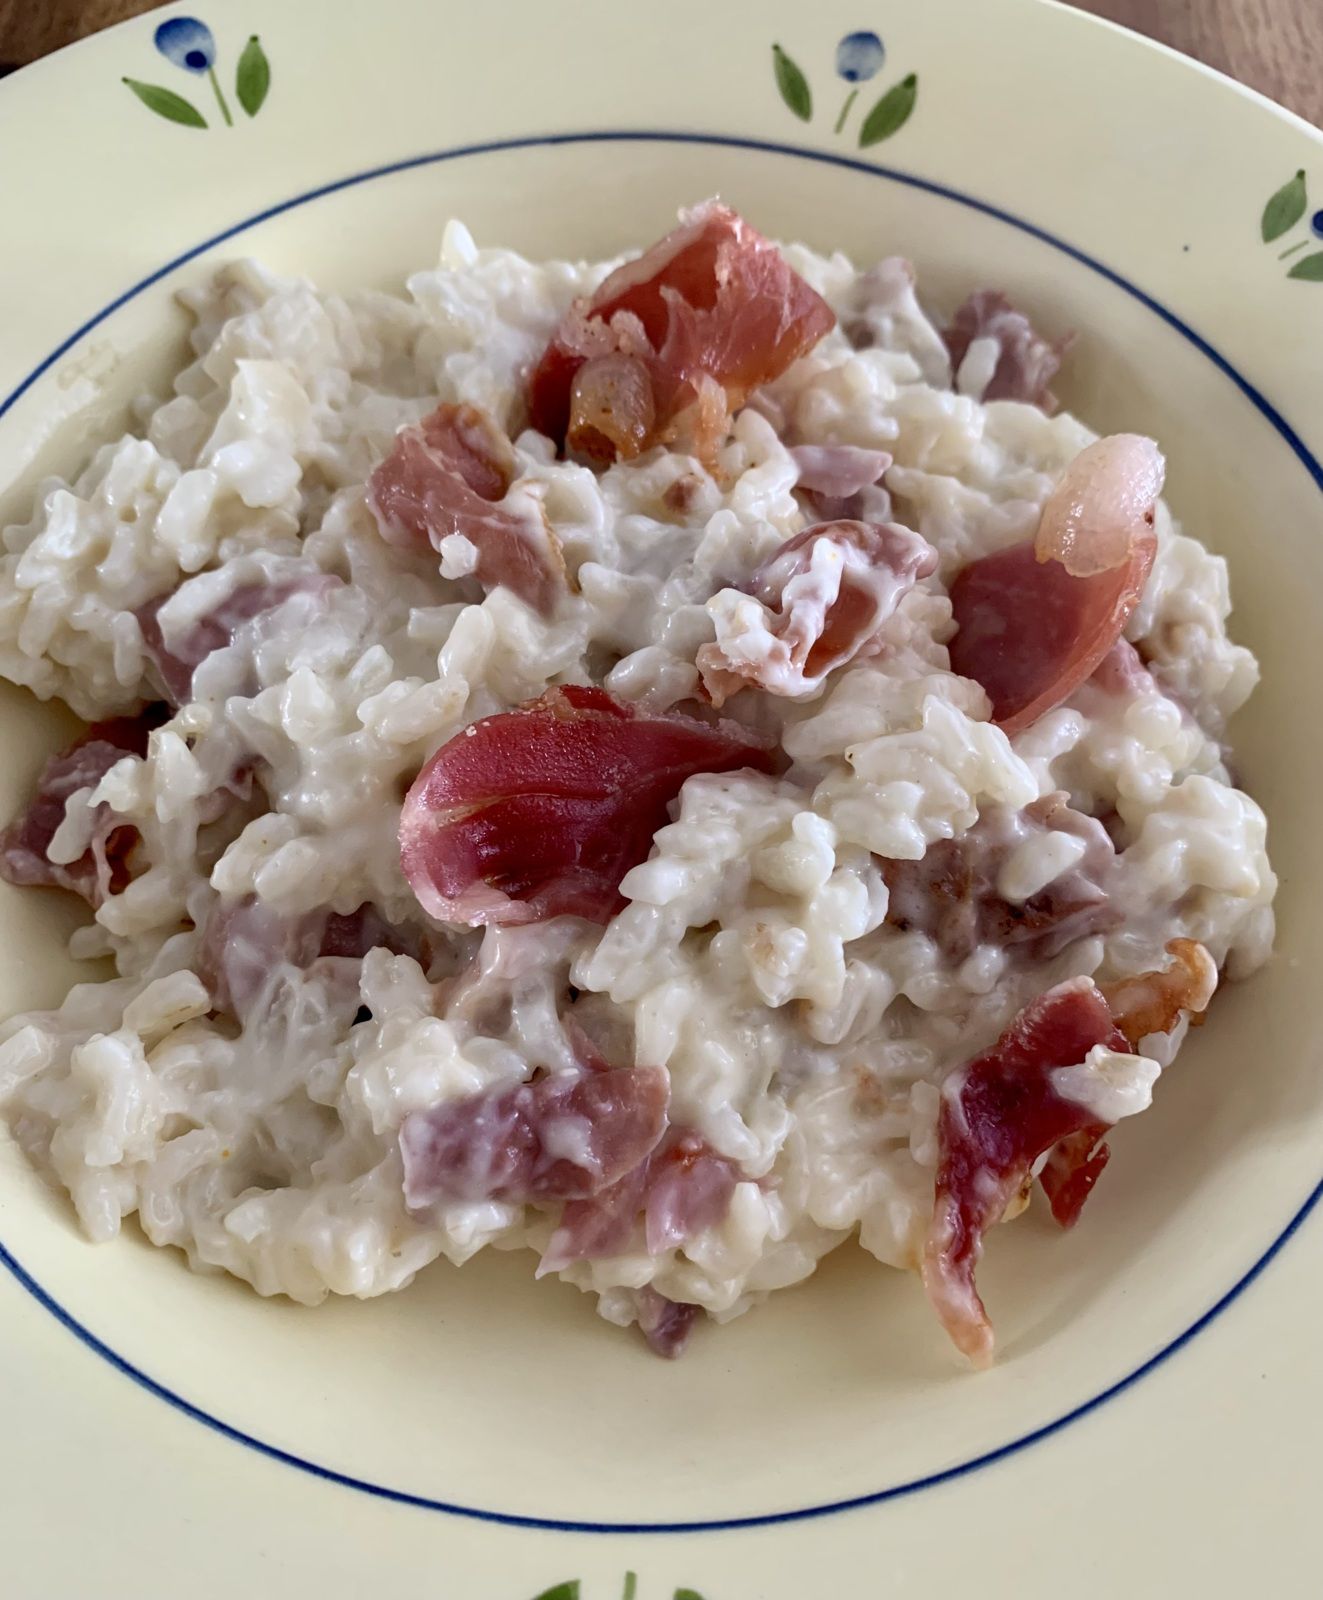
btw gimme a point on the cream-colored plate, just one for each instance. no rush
(1151, 1426)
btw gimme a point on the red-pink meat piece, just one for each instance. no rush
(558, 1137)
(1031, 633)
(451, 474)
(951, 895)
(178, 661)
(683, 1188)
(103, 868)
(998, 1116)
(824, 595)
(665, 1324)
(245, 942)
(701, 319)
(541, 811)
(1026, 362)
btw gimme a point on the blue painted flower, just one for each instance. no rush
(1316, 223)
(859, 56)
(188, 43)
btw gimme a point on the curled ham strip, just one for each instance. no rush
(683, 1188)
(563, 1136)
(1022, 363)
(1122, 672)
(1002, 1112)
(103, 868)
(1031, 629)
(541, 811)
(178, 660)
(665, 1324)
(1153, 1002)
(672, 342)
(816, 604)
(451, 474)
(952, 893)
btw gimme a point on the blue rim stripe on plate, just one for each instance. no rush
(799, 1514)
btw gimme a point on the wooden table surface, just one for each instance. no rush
(1275, 46)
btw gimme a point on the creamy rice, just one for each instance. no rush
(806, 1036)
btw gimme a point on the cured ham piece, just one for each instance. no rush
(999, 1116)
(665, 1324)
(1035, 620)
(1007, 1109)
(838, 470)
(103, 868)
(816, 604)
(1021, 363)
(246, 945)
(954, 893)
(177, 661)
(563, 1136)
(541, 811)
(674, 341)
(451, 474)
(682, 1189)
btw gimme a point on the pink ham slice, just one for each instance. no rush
(672, 342)
(103, 868)
(451, 474)
(823, 595)
(559, 1137)
(177, 661)
(1034, 621)
(951, 894)
(997, 1118)
(1026, 362)
(245, 943)
(541, 811)
(684, 1188)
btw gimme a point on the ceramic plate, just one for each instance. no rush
(1151, 1424)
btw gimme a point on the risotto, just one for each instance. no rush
(671, 765)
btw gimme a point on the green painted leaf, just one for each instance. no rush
(252, 77)
(166, 103)
(687, 1594)
(891, 113)
(561, 1591)
(631, 1586)
(1310, 269)
(1285, 208)
(792, 83)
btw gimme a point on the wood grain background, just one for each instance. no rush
(1275, 46)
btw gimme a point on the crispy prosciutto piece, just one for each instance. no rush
(541, 811)
(672, 342)
(451, 474)
(563, 1136)
(1013, 1105)
(683, 1188)
(814, 605)
(999, 1115)
(103, 868)
(1035, 620)
(1152, 1002)
(1021, 363)
(178, 660)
